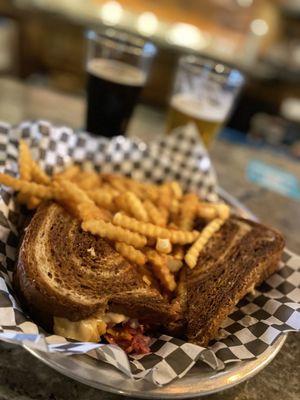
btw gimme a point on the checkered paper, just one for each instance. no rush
(246, 334)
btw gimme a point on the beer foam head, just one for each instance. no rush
(202, 108)
(116, 71)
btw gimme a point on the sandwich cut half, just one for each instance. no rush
(76, 284)
(240, 256)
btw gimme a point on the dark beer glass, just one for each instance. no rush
(117, 67)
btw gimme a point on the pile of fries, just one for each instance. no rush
(150, 225)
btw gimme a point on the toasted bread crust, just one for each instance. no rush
(255, 257)
(98, 279)
(215, 291)
(34, 291)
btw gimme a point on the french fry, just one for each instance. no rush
(150, 191)
(132, 205)
(68, 174)
(223, 211)
(154, 214)
(112, 232)
(102, 197)
(163, 246)
(121, 203)
(151, 230)
(79, 202)
(136, 207)
(211, 211)
(130, 253)
(67, 190)
(88, 180)
(24, 161)
(165, 213)
(107, 188)
(165, 200)
(188, 211)
(30, 188)
(38, 175)
(31, 202)
(166, 195)
(29, 169)
(174, 208)
(173, 264)
(122, 184)
(206, 211)
(116, 182)
(134, 187)
(161, 270)
(192, 255)
(176, 189)
(88, 211)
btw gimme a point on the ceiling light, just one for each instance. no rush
(147, 23)
(111, 12)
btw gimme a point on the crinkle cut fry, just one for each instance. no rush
(38, 175)
(31, 188)
(102, 197)
(213, 210)
(68, 174)
(188, 211)
(154, 214)
(31, 202)
(112, 232)
(29, 169)
(150, 230)
(161, 270)
(135, 206)
(82, 205)
(88, 180)
(24, 161)
(130, 253)
(192, 255)
(86, 211)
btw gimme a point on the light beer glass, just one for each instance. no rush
(204, 92)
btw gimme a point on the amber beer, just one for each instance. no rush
(113, 88)
(185, 108)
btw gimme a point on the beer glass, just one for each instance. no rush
(204, 93)
(117, 68)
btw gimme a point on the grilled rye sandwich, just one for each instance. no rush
(76, 283)
(236, 259)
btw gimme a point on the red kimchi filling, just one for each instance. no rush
(130, 337)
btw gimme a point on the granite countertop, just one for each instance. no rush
(22, 377)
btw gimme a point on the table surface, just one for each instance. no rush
(22, 377)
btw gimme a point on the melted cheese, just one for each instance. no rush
(86, 330)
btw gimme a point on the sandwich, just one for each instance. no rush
(75, 284)
(240, 256)
(106, 256)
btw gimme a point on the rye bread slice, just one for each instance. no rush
(66, 272)
(238, 258)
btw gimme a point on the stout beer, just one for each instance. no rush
(113, 88)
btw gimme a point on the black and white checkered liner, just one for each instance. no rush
(257, 320)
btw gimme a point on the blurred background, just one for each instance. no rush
(42, 44)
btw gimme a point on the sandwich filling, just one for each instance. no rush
(115, 328)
